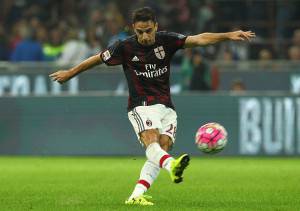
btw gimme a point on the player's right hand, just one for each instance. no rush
(61, 76)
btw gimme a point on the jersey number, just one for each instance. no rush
(172, 130)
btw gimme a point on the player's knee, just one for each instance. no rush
(165, 142)
(149, 136)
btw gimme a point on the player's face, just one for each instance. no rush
(145, 31)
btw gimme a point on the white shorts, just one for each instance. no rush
(156, 116)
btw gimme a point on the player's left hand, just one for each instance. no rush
(241, 35)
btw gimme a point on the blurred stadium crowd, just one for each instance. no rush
(68, 31)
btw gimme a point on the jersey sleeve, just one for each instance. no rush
(113, 55)
(175, 41)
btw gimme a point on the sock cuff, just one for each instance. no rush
(154, 144)
(162, 160)
(144, 183)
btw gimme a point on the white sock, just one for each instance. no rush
(148, 174)
(158, 156)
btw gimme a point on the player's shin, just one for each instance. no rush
(148, 174)
(158, 156)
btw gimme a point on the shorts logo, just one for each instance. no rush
(159, 52)
(148, 122)
(106, 55)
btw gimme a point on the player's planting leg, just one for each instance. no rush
(148, 174)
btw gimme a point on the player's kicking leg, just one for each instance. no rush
(157, 155)
(177, 165)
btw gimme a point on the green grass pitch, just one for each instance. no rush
(103, 183)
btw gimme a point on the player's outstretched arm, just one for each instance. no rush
(212, 38)
(62, 76)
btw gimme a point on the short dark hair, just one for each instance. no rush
(143, 14)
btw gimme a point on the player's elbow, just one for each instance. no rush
(205, 39)
(199, 40)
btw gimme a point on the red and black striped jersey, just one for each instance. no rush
(147, 68)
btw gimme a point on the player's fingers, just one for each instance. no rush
(240, 37)
(53, 74)
(250, 34)
(246, 36)
(55, 77)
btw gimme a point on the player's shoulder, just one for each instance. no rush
(121, 43)
(130, 39)
(166, 34)
(163, 33)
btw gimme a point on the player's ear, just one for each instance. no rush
(133, 28)
(156, 26)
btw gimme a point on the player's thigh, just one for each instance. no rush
(149, 136)
(145, 118)
(169, 124)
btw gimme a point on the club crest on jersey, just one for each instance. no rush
(149, 123)
(106, 55)
(159, 52)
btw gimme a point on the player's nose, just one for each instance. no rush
(145, 36)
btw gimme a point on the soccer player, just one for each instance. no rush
(145, 58)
